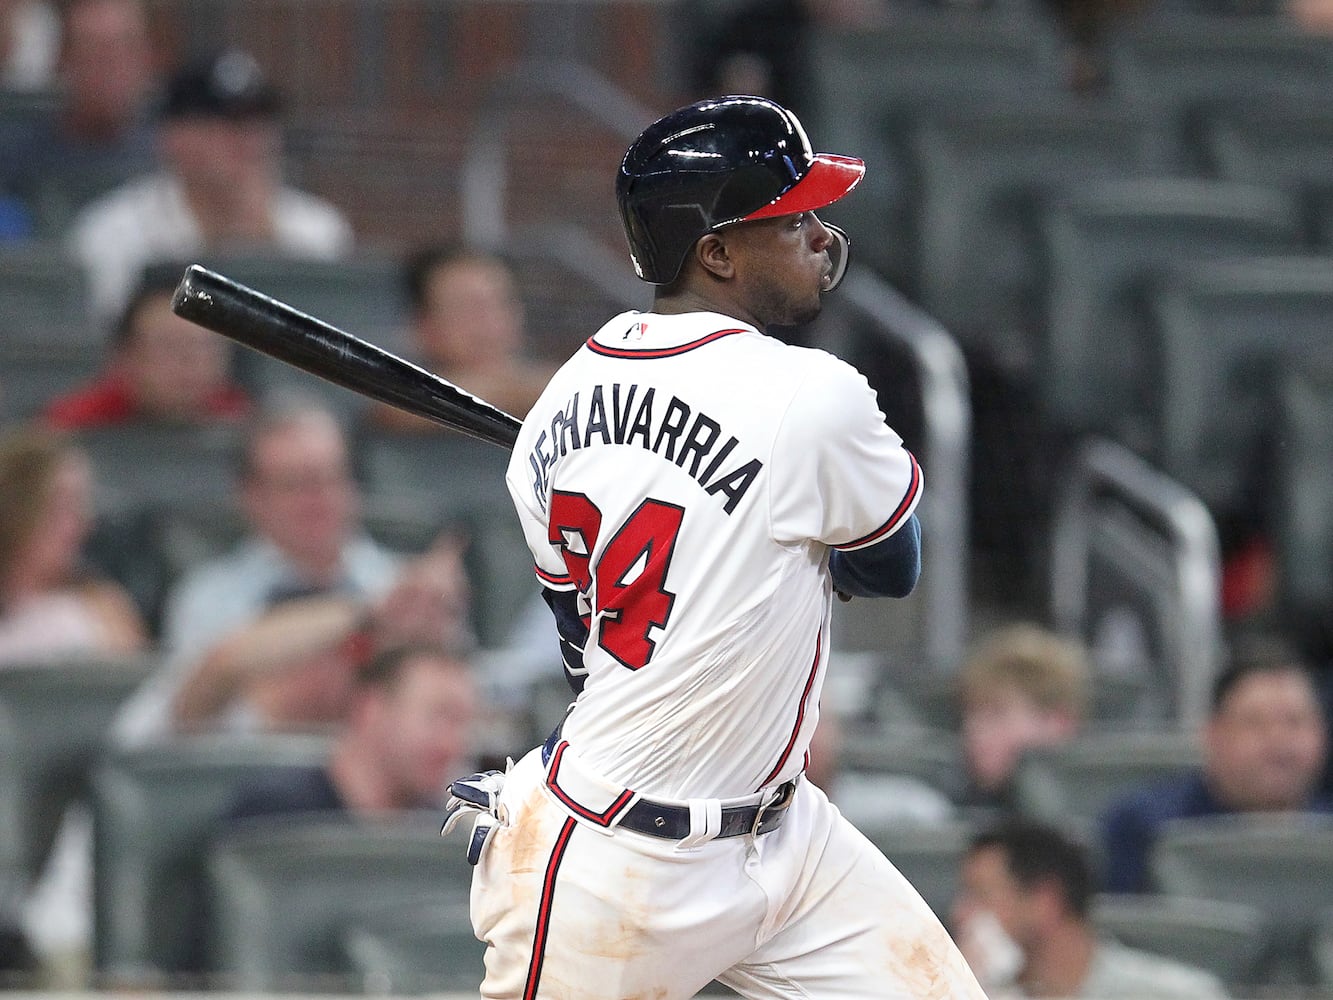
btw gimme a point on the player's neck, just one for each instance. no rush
(674, 301)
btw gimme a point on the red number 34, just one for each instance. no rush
(628, 582)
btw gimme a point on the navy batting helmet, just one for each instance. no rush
(718, 162)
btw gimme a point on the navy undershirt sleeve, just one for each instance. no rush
(886, 569)
(572, 631)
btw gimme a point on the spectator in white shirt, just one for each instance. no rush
(220, 190)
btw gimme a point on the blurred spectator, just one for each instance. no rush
(161, 368)
(29, 37)
(293, 667)
(467, 326)
(407, 731)
(268, 636)
(1087, 27)
(1021, 918)
(1264, 746)
(50, 604)
(1312, 16)
(1022, 687)
(100, 132)
(221, 189)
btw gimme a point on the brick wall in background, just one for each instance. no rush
(382, 96)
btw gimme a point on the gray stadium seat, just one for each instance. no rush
(361, 294)
(155, 811)
(14, 875)
(1323, 947)
(924, 752)
(928, 856)
(1105, 243)
(457, 481)
(870, 82)
(1282, 865)
(1303, 490)
(1320, 199)
(1078, 780)
(1224, 330)
(982, 174)
(450, 472)
(137, 465)
(413, 949)
(32, 373)
(45, 298)
(1179, 64)
(284, 892)
(1226, 939)
(566, 301)
(1282, 143)
(60, 713)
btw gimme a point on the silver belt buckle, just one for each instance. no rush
(781, 798)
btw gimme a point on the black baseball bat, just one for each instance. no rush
(276, 329)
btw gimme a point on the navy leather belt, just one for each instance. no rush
(672, 822)
(658, 819)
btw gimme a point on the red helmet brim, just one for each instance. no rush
(829, 178)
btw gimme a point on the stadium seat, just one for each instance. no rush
(60, 713)
(1320, 199)
(928, 856)
(32, 373)
(45, 298)
(155, 812)
(1282, 865)
(404, 948)
(460, 482)
(1281, 143)
(1179, 63)
(1076, 781)
(981, 176)
(871, 82)
(1226, 939)
(361, 294)
(1224, 331)
(923, 752)
(13, 847)
(1303, 492)
(1104, 244)
(451, 473)
(1323, 947)
(137, 465)
(284, 892)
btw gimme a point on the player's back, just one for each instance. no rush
(655, 475)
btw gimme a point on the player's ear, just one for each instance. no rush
(711, 252)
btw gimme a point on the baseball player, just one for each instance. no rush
(693, 492)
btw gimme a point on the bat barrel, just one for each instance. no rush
(276, 329)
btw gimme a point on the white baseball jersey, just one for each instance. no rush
(688, 476)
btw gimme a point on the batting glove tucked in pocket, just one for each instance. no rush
(478, 796)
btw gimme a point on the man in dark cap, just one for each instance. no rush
(220, 188)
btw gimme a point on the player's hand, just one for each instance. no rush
(478, 796)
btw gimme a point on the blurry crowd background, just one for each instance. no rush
(251, 623)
